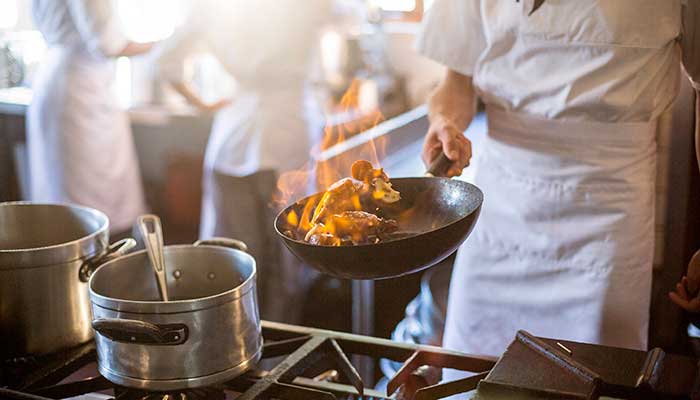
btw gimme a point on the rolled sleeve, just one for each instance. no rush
(97, 26)
(452, 34)
(690, 42)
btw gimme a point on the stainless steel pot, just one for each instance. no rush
(207, 333)
(47, 252)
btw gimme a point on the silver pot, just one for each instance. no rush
(47, 252)
(207, 333)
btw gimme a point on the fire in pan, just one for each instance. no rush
(434, 216)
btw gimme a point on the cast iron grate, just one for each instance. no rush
(300, 358)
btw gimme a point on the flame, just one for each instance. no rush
(320, 173)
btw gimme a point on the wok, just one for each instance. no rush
(435, 215)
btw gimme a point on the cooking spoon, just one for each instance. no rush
(152, 234)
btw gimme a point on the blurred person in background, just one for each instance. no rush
(268, 128)
(79, 140)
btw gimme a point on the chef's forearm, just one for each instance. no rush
(184, 89)
(454, 99)
(135, 49)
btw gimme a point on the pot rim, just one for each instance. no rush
(173, 306)
(44, 256)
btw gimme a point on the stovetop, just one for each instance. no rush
(297, 363)
(306, 363)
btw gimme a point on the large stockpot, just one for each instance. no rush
(208, 332)
(47, 252)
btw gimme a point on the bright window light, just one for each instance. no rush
(151, 20)
(395, 5)
(9, 14)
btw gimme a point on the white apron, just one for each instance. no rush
(260, 135)
(79, 140)
(564, 244)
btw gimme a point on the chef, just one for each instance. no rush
(80, 148)
(573, 91)
(267, 128)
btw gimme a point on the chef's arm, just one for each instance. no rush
(186, 90)
(686, 294)
(100, 31)
(453, 99)
(134, 49)
(451, 108)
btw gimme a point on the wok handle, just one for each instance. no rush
(141, 332)
(223, 242)
(439, 166)
(116, 250)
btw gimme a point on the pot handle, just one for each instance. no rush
(115, 250)
(223, 242)
(141, 332)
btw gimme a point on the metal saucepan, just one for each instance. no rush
(435, 216)
(208, 332)
(47, 253)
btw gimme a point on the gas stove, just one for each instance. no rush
(297, 363)
(307, 363)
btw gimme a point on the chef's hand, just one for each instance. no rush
(444, 135)
(687, 293)
(451, 108)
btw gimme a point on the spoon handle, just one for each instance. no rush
(152, 234)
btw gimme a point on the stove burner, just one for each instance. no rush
(190, 394)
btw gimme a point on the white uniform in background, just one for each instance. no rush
(267, 46)
(564, 244)
(270, 127)
(79, 139)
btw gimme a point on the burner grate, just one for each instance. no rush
(307, 355)
(36, 371)
(190, 394)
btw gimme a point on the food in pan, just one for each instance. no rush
(350, 228)
(347, 212)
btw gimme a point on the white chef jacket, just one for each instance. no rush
(267, 46)
(80, 147)
(86, 24)
(569, 66)
(564, 243)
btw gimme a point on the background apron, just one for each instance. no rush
(79, 140)
(262, 134)
(564, 244)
